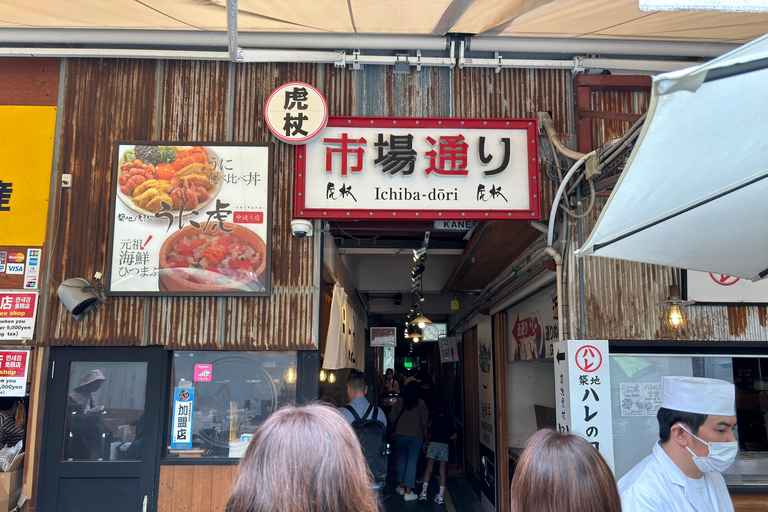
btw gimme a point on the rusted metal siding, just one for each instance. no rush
(425, 93)
(104, 100)
(620, 299)
(624, 102)
(113, 100)
(520, 94)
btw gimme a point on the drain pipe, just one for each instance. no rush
(550, 235)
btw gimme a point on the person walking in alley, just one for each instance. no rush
(441, 431)
(563, 473)
(303, 459)
(411, 419)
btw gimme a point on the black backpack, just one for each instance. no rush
(373, 440)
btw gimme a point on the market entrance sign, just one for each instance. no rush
(405, 168)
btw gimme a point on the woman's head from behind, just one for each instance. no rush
(563, 473)
(303, 459)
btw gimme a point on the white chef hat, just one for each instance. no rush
(698, 395)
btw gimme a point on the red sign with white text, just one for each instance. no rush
(420, 169)
(17, 315)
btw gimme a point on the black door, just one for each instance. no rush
(102, 425)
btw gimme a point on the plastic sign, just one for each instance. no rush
(583, 393)
(14, 365)
(17, 314)
(183, 405)
(296, 112)
(420, 169)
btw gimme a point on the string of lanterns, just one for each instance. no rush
(416, 321)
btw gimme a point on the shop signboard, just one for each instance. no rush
(14, 365)
(487, 448)
(419, 169)
(583, 393)
(533, 327)
(449, 351)
(191, 218)
(183, 406)
(725, 289)
(383, 336)
(17, 314)
(296, 113)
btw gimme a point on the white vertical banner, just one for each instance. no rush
(583, 385)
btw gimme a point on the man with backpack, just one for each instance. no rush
(370, 425)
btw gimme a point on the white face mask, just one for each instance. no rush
(720, 458)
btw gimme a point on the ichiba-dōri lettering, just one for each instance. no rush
(405, 194)
(448, 157)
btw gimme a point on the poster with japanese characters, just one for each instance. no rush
(183, 404)
(406, 168)
(191, 218)
(582, 393)
(17, 314)
(14, 365)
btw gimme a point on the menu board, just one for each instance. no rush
(191, 218)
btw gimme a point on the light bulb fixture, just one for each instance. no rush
(674, 316)
(421, 321)
(323, 376)
(290, 375)
(331, 377)
(417, 270)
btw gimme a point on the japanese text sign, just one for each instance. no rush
(404, 168)
(191, 219)
(582, 389)
(14, 365)
(17, 314)
(183, 405)
(296, 112)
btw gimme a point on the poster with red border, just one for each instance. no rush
(14, 365)
(420, 169)
(18, 311)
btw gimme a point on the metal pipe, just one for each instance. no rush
(219, 39)
(556, 200)
(539, 45)
(580, 241)
(559, 267)
(549, 127)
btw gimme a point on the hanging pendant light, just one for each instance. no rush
(322, 376)
(674, 316)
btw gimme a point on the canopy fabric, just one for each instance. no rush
(600, 19)
(694, 192)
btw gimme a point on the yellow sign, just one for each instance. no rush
(26, 151)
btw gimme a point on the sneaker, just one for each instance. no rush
(439, 499)
(410, 496)
(400, 490)
(423, 495)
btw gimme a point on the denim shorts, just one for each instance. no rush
(437, 451)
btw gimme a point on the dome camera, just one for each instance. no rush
(78, 296)
(301, 228)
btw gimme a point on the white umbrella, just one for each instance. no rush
(694, 193)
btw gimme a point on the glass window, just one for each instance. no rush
(219, 399)
(635, 393)
(105, 411)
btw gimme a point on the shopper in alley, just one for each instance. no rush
(697, 420)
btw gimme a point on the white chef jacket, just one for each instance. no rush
(656, 484)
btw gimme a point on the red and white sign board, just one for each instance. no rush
(17, 314)
(296, 112)
(419, 169)
(583, 392)
(710, 287)
(14, 365)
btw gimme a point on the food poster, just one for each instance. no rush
(191, 219)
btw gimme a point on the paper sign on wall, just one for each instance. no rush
(449, 351)
(582, 389)
(183, 404)
(17, 314)
(14, 365)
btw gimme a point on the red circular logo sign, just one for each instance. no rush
(588, 358)
(296, 112)
(724, 280)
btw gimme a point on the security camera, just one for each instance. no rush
(301, 228)
(78, 296)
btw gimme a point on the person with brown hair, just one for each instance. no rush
(303, 459)
(563, 473)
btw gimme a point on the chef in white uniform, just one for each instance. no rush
(697, 420)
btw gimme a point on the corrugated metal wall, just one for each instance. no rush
(620, 296)
(109, 100)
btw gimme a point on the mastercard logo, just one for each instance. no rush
(16, 257)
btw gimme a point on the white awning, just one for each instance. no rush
(694, 193)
